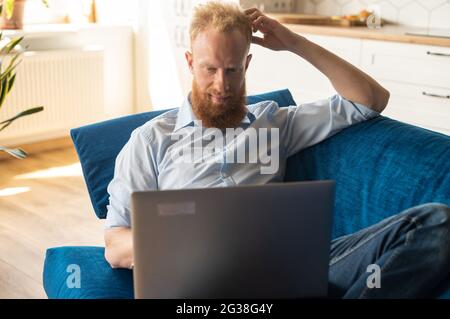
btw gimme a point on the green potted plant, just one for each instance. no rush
(12, 13)
(12, 50)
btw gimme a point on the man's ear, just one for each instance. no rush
(190, 61)
(247, 62)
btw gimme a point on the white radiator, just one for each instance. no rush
(68, 83)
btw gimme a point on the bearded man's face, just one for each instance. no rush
(218, 63)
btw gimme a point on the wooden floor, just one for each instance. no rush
(51, 208)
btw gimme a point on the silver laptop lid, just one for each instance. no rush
(266, 241)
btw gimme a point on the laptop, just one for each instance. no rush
(259, 241)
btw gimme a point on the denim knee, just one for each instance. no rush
(436, 214)
(428, 214)
(437, 218)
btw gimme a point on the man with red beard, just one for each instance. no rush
(220, 35)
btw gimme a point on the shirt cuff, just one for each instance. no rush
(366, 111)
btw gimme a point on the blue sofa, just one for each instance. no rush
(380, 166)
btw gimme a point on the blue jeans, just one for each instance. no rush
(411, 249)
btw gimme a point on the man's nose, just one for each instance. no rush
(221, 82)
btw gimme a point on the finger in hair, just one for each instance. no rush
(250, 10)
(261, 24)
(255, 15)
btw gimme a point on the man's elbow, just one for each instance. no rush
(380, 100)
(385, 95)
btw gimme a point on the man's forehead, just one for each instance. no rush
(215, 56)
(232, 41)
(212, 63)
(233, 34)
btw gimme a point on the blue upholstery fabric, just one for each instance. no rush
(98, 158)
(97, 279)
(381, 167)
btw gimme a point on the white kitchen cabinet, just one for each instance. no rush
(418, 78)
(408, 104)
(407, 63)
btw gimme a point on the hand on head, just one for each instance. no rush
(275, 36)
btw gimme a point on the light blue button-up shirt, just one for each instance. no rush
(150, 159)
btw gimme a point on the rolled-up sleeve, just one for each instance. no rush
(311, 123)
(134, 171)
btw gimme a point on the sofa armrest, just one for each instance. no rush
(97, 280)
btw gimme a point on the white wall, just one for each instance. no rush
(118, 42)
(418, 13)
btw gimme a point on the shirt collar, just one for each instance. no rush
(186, 116)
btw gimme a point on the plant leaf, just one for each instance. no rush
(12, 44)
(18, 153)
(24, 113)
(4, 90)
(11, 83)
(9, 70)
(14, 58)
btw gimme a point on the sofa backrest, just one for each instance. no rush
(99, 144)
(381, 167)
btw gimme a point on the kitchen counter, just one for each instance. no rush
(385, 33)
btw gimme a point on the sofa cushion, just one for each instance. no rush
(97, 279)
(98, 158)
(381, 167)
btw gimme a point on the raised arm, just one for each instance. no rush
(350, 82)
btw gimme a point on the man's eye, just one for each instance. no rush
(211, 70)
(231, 70)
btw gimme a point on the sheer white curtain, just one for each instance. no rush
(166, 67)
